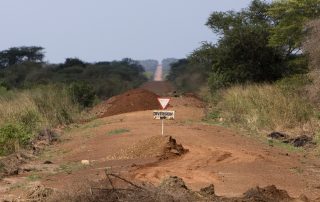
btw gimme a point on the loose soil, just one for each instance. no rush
(162, 147)
(233, 162)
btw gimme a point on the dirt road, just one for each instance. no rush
(233, 162)
(159, 73)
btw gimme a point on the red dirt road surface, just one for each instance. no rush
(130, 144)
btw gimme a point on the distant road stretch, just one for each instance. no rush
(158, 74)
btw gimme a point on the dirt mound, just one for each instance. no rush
(162, 147)
(172, 149)
(133, 100)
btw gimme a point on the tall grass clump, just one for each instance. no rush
(264, 107)
(24, 113)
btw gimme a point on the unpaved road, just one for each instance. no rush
(159, 73)
(231, 161)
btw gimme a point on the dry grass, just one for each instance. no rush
(13, 106)
(265, 107)
(49, 105)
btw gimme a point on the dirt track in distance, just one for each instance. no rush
(159, 73)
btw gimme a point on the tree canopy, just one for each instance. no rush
(18, 55)
(290, 18)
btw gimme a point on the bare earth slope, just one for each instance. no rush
(125, 145)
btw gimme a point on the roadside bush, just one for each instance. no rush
(24, 113)
(82, 93)
(295, 83)
(55, 105)
(12, 137)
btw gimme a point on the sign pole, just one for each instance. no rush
(162, 127)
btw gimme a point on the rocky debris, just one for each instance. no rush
(278, 136)
(85, 162)
(161, 147)
(208, 191)
(269, 193)
(43, 139)
(300, 141)
(130, 101)
(175, 187)
(172, 189)
(11, 165)
(16, 163)
(22, 162)
(39, 193)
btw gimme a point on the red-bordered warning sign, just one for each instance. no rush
(164, 102)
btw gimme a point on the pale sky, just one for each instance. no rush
(104, 30)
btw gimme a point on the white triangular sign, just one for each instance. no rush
(164, 102)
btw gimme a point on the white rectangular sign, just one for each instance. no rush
(168, 115)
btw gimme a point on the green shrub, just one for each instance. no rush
(217, 81)
(294, 84)
(118, 131)
(12, 137)
(82, 93)
(30, 120)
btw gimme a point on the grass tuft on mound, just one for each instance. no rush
(118, 131)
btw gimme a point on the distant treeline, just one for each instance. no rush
(23, 68)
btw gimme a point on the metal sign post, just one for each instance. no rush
(162, 133)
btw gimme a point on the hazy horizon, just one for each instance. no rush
(110, 30)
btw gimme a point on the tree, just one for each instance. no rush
(73, 62)
(312, 43)
(18, 55)
(242, 54)
(290, 19)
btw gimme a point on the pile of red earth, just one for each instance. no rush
(130, 101)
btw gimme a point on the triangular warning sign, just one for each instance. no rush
(164, 102)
